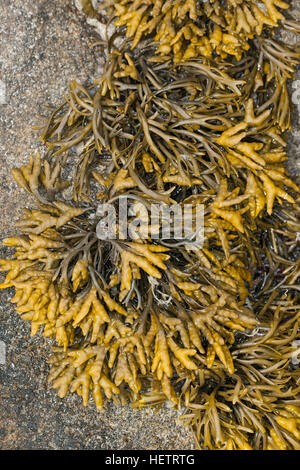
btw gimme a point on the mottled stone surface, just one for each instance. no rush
(43, 46)
(293, 147)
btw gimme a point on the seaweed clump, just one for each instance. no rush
(144, 319)
(188, 29)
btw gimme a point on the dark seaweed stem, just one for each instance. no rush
(157, 124)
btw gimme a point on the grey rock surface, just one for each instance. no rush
(44, 45)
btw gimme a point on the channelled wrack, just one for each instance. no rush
(213, 328)
(186, 29)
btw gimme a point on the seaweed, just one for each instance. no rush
(145, 319)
